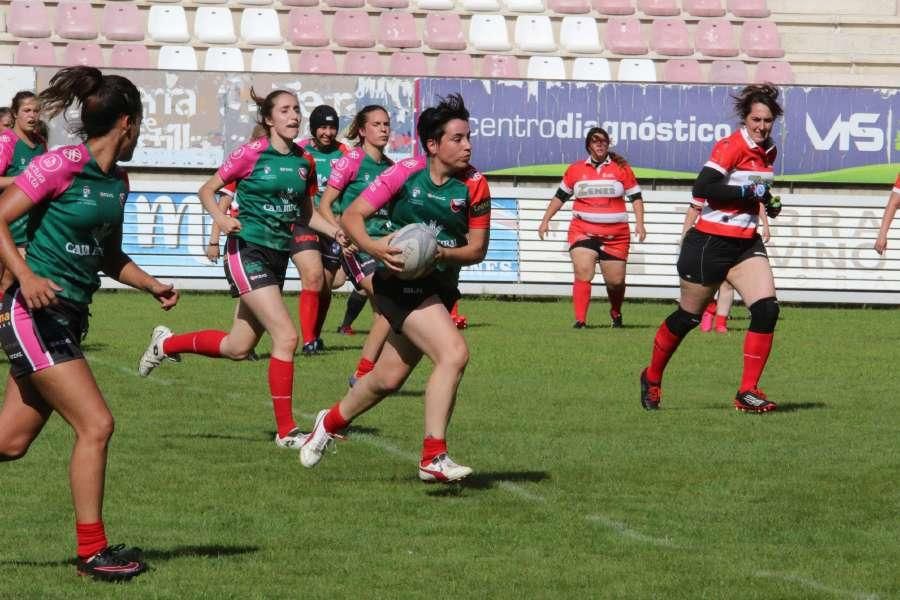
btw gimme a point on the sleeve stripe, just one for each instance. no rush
(698, 202)
(633, 190)
(715, 166)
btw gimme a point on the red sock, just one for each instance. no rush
(432, 447)
(664, 345)
(91, 538)
(711, 307)
(454, 312)
(365, 366)
(324, 303)
(721, 321)
(206, 342)
(581, 297)
(756, 352)
(281, 386)
(616, 297)
(309, 314)
(334, 420)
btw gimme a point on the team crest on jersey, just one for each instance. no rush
(410, 163)
(86, 192)
(50, 162)
(457, 204)
(267, 169)
(73, 154)
(256, 144)
(303, 172)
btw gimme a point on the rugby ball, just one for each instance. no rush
(417, 244)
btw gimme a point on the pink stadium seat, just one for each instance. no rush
(300, 2)
(704, 8)
(623, 36)
(683, 70)
(748, 8)
(570, 7)
(83, 54)
(345, 3)
(389, 3)
(130, 56)
(659, 8)
(614, 7)
(670, 37)
(408, 64)
(760, 39)
(715, 37)
(444, 31)
(774, 71)
(728, 72)
(398, 30)
(75, 20)
(500, 66)
(28, 19)
(123, 22)
(35, 53)
(363, 63)
(306, 27)
(352, 29)
(317, 61)
(454, 65)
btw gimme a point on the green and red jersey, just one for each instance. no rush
(351, 175)
(15, 154)
(325, 160)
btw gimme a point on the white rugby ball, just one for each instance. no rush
(418, 244)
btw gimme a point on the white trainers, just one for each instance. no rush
(154, 354)
(314, 446)
(292, 440)
(442, 468)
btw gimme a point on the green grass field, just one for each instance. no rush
(578, 493)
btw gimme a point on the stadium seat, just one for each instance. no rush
(210, 1)
(298, 2)
(398, 30)
(715, 37)
(704, 8)
(389, 3)
(123, 22)
(728, 72)
(591, 69)
(546, 67)
(363, 63)
(35, 53)
(306, 27)
(534, 33)
(637, 69)
(683, 70)
(488, 33)
(353, 29)
(454, 65)
(261, 27)
(623, 36)
(614, 7)
(270, 60)
(525, 6)
(255, 2)
(748, 8)
(499, 65)
(435, 4)
(570, 7)
(214, 25)
(168, 24)
(481, 5)
(75, 20)
(28, 19)
(670, 37)
(659, 8)
(579, 34)
(774, 71)
(176, 58)
(408, 64)
(223, 59)
(130, 56)
(346, 3)
(83, 53)
(760, 39)
(444, 31)
(317, 61)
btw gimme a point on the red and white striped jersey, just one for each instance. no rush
(741, 161)
(599, 192)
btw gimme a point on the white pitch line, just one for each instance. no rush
(815, 585)
(626, 531)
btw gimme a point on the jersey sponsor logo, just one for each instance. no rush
(410, 163)
(50, 162)
(457, 204)
(343, 162)
(267, 170)
(5, 139)
(34, 176)
(481, 208)
(83, 249)
(238, 152)
(73, 154)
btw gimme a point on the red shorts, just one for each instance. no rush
(613, 239)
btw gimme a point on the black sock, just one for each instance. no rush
(355, 303)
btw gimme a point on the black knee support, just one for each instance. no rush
(764, 315)
(681, 322)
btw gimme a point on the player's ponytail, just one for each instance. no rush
(264, 107)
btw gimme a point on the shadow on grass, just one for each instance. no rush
(215, 436)
(408, 393)
(93, 346)
(624, 326)
(795, 406)
(210, 551)
(361, 430)
(487, 481)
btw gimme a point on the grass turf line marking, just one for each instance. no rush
(815, 585)
(625, 531)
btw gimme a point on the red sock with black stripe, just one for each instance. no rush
(206, 342)
(281, 386)
(581, 297)
(432, 447)
(664, 345)
(309, 314)
(91, 538)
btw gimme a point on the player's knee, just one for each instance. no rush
(313, 281)
(285, 338)
(764, 315)
(98, 431)
(681, 322)
(13, 449)
(387, 382)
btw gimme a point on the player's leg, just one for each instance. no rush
(22, 417)
(584, 265)
(312, 278)
(613, 272)
(723, 307)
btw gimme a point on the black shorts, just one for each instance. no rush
(396, 298)
(307, 238)
(249, 267)
(595, 244)
(37, 340)
(358, 266)
(706, 258)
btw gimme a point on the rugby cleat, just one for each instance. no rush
(113, 563)
(154, 355)
(753, 400)
(346, 330)
(293, 439)
(651, 393)
(616, 318)
(579, 325)
(320, 345)
(316, 443)
(442, 468)
(310, 349)
(460, 321)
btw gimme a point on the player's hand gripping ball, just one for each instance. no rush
(418, 246)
